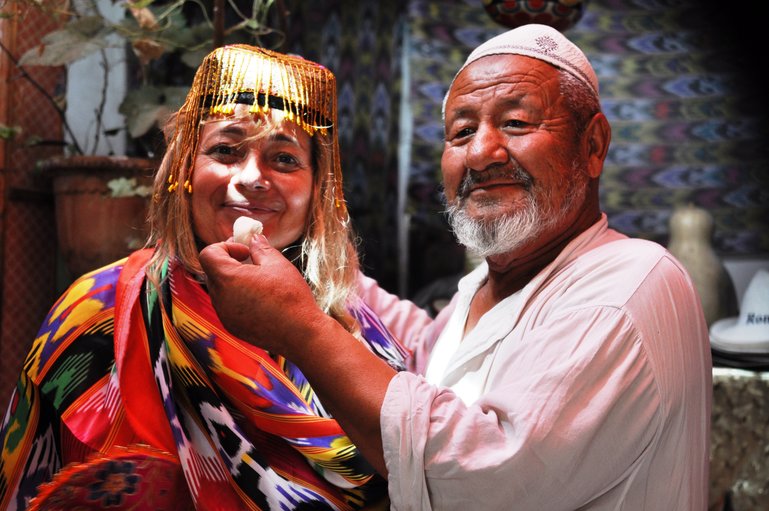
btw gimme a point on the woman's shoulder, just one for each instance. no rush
(93, 291)
(84, 310)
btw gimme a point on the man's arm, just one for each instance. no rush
(349, 379)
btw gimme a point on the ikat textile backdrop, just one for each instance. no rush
(676, 86)
(441, 35)
(360, 41)
(677, 83)
(688, 115)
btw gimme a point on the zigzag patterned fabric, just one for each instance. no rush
(120, 385)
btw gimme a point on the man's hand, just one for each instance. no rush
(266, 303)
(269, 304)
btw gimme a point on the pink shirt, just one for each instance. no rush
(590, 389)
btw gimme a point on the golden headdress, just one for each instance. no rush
(262, 79)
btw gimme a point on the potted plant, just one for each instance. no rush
(102, 187)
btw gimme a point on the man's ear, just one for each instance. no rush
(597, 138)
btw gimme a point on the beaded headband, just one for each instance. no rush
(263, 79)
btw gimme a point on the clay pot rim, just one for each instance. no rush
(58, 164)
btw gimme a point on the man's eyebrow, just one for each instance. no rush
(465, 112)
(461, 113)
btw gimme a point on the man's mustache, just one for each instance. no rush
(513, 173)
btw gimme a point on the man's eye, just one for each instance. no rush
(462, 133)
(515, 123)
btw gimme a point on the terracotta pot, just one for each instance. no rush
(101, 213)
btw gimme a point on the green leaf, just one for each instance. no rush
(147, 107)
(8, 132)
(141, 4)
(186, 36)
(175, 96)
(141, 96)
(192, 59)
(76, 40)
(253, 24)
(87, 26)
(145, 118)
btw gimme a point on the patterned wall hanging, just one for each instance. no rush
(688, 116)
(559, 14)
(360, 41)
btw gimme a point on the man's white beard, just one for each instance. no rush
(497, 235)
(507, 232)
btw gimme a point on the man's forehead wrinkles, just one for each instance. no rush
(473, 109)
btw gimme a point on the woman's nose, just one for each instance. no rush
(488, 147)
(251, 176)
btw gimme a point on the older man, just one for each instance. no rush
(572, 368)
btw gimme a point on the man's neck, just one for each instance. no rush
(509, 273)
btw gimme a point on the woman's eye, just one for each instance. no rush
(286, 159)
(224, 152)
(287, 162)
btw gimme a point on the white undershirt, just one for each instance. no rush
(474, 373)
(446, 346)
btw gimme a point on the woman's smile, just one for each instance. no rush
(261, 168)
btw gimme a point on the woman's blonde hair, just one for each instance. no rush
(262, 79)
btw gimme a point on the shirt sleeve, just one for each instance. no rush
(566, 398)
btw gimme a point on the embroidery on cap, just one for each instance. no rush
(546, 43)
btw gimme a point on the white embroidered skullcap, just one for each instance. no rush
(540, 42)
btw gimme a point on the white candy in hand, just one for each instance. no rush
(246, 228)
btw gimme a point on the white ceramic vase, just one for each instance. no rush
(691, 234)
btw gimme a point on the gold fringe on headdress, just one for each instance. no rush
(262, 79)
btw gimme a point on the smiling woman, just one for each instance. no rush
(243, 101)
(132, 369)
(259, 168)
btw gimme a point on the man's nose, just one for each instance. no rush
(487, 148)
